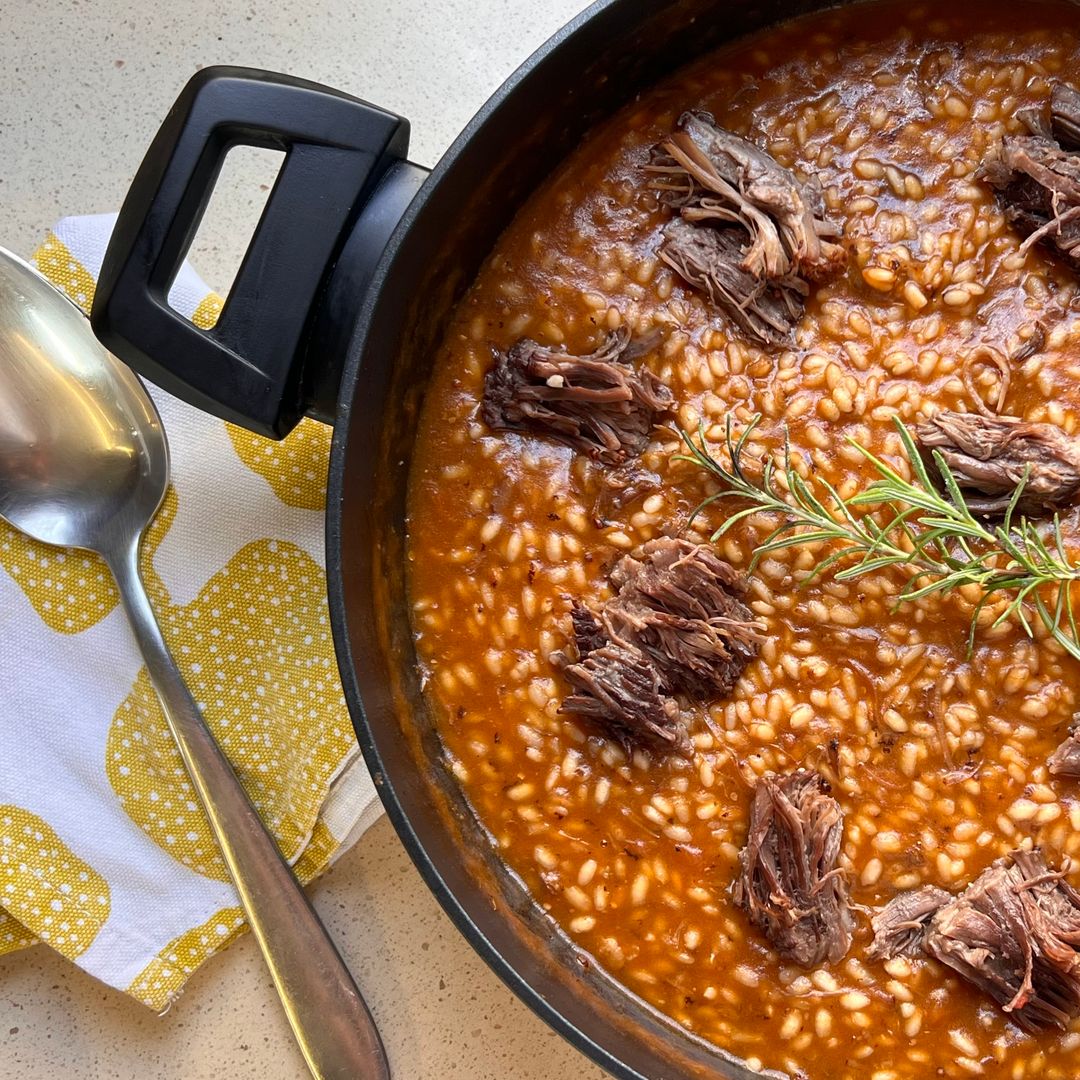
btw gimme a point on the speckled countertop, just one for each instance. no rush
(83, 86)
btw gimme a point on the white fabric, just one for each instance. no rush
(62, 692)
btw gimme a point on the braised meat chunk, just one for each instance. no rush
(900, 926)
(588, 633)
(714, 175)
(1037, 176)
(599, 404)
(991, 455)
(620, 488)
(1060, 121)
(790, 883)
(711, 260)
(1015, 933)
(680, 603)
(1065, 116)
(1065, 760)
(675, 625)
(750, 233)
(615, 684)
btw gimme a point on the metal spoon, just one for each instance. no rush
(84, 463)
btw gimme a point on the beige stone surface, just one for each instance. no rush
(83, 85)
(442, 1013)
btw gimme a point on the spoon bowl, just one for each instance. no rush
(84, 463)
(84, 458)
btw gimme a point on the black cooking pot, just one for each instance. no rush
(337, 311)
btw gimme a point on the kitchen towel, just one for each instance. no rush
(105, 854)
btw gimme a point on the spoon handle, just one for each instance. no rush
(336, 1033)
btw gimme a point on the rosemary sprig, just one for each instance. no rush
(907, 524)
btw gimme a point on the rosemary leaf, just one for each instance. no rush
(899, 524)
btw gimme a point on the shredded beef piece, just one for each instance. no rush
(680, 604)
(1037, 176)
(675, 625)
(1061, 122)
(709, 259)
(989, 455)
(790, 884)
(729, 179)
(621, 487)
(598, 404)
(1036, 120)
(750, 233)
(1014, 933)
(588, 633)
(1065, 760)
(1065, 116)
(615, 684)
(900, 926)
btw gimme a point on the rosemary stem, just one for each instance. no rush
(932, 534)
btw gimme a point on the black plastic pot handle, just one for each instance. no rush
(250, 368)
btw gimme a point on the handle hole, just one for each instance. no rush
(218, 247)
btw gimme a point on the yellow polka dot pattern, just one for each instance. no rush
(163, 978)
(13, 935)
(71, 590)
(295, 468)
(46, 886)
(208, 312)
(56, 262)
(256, 651)
(255, 648)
